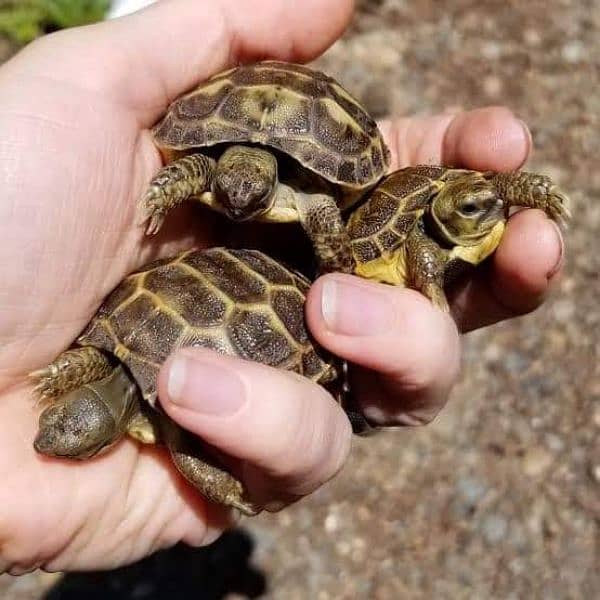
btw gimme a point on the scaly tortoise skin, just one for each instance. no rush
(271, 141)
(237, 302)
(423, 225)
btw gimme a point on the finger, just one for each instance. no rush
(393, 332)
(515, 283)
(158, 53)
(289, 431)
(489, 138)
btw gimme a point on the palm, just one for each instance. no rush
(82, 239)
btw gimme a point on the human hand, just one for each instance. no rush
(75, 155)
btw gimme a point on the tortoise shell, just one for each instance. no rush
(382, 224)
(237, 302)
(291, 108)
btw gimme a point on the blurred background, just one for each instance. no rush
(500, 496)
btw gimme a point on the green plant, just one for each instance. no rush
(24, 20)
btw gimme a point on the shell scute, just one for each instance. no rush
(197, 106)
(270, 269)
(288, 304)
(228, 276)
(254, 336)
(158, 325)
(186, 294)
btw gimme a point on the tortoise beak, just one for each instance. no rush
(240, 215)
(235, 214)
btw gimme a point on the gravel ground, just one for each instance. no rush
(499, 498)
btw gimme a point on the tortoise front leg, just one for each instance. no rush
(89, 418)
(533, 191)
(195, 464)
(180, 180)
(425, 263)
(322, 220)
(69, 371)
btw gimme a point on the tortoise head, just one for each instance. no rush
(88, 419)
(245, 180)
(466, 210)
(76, 426)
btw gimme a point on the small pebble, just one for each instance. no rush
(492, 85)
(554, 442)
(532, 37)
(472, 490)
(491, 50)
(536, 461)
(573, 51)
(331, 523)
(494, 528)
(563, 310)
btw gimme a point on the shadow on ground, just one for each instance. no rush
(209, 573)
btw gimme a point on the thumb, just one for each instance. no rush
(147, 59)
(289, 433)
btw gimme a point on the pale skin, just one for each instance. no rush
(75, 155)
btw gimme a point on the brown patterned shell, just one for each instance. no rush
(289, 107)
(238, 302)
(382, 224)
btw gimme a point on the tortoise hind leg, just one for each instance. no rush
(89, 418)
(178, 181)
(193, 462)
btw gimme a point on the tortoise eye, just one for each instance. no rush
(469, 208)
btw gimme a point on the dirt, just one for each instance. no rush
(500, 496)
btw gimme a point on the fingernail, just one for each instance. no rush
(354, 308)
(204, 387)
(528, 139)
(561, 255)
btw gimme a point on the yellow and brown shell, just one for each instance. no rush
(381, 225)
(288, 107)
(237, 302)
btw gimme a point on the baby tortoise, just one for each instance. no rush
(424, 225)
(237, 302)
(271, 141)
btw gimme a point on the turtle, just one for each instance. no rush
(237, 302)
(423, 226)
(270, 141)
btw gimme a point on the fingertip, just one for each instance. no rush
(490, 138)
(285, 425)
(259, 39)
(521, 280)
(394, 331)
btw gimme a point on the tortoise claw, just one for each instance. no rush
(151, 211)
(43, 391)
(41, 373)
(558, 207)
(155, 223)
(246, 508)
